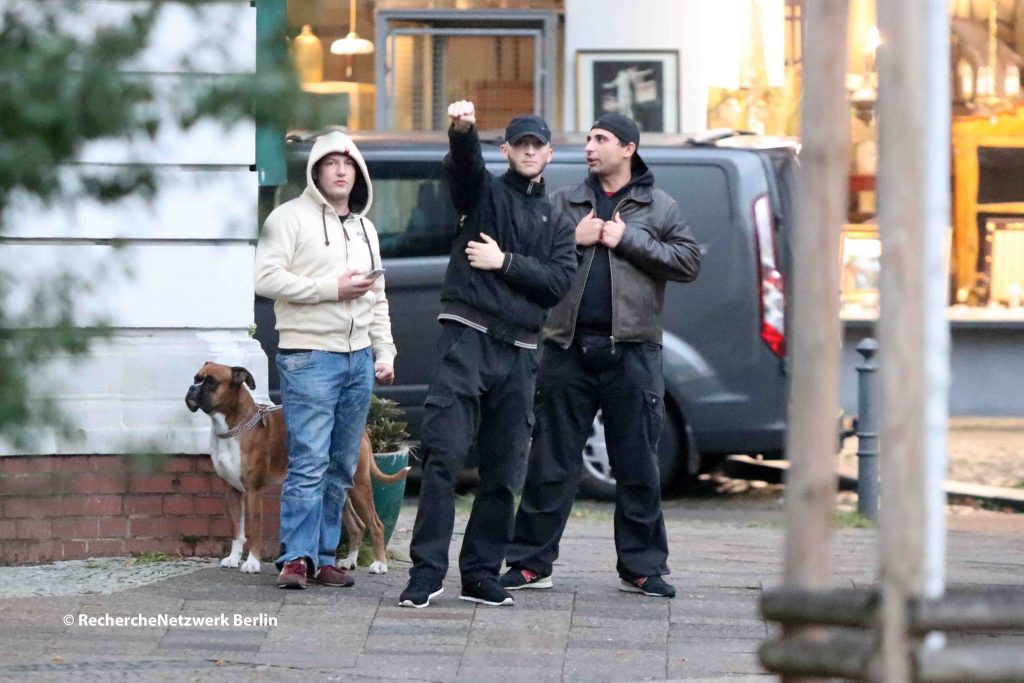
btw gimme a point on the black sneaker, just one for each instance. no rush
(514, 579)
(486, 592)
(649, 585)
(419, 591)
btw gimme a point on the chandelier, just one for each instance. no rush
(992, 92)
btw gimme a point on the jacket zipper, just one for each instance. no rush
(611, 277)
(586, 274)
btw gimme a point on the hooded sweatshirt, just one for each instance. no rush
(303, 250)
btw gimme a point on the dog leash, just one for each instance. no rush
(258, 416)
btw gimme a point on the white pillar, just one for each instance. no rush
(913, 334)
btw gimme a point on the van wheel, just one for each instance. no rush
(597, 480)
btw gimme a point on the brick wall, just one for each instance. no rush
(69, 507)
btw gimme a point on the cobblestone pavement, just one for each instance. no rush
(583, 629)
(725, 548)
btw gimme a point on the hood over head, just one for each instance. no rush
(361, 199)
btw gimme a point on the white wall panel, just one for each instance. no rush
(207, 142)
(217, 36)
(129, 394)
(191, 203)
(149, 286)
(171, 305)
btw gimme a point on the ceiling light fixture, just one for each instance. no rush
(351, 44)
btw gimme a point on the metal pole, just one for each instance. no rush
(867, 432)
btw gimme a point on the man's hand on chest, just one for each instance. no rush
(486, 255)
(611, 232)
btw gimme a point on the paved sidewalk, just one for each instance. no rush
(583, 629)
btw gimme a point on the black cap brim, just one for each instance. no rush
(516, 138)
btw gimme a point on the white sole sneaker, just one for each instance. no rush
(627, 587)
(507, 602)
(410, 603)
(545, 582)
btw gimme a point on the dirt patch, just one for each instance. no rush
(988, 451)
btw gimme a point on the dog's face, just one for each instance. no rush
(215, 386)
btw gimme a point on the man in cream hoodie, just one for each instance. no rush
(317, 258)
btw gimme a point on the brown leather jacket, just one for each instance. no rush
(657, 246)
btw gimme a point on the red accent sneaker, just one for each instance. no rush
(514, 579)
(648, 585)
(329, 575)
(293, 574)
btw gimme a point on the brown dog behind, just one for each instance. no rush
(359, 508)
(249, 451)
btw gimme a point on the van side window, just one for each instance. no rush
(411, 209)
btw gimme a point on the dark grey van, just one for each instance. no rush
(724, 341)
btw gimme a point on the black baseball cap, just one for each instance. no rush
(622, 127)
(528, 124)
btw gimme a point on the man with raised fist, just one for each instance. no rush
(512, 259)
(603, 351)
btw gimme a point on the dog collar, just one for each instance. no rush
(258, 416)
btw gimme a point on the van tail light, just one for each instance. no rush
(770, 281)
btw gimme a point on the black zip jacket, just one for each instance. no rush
(540, 249)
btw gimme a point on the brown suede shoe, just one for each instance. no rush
(293, 574)
(329, 575)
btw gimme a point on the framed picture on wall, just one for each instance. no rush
(860, 252)
(642, 84)
(860, 264)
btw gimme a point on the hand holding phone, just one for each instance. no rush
(374, 274)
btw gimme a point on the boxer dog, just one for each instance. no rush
(249, 450)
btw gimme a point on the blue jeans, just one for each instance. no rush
(326, 398)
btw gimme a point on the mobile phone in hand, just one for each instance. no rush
(374, 274)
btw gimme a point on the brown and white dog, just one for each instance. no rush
(249, 451)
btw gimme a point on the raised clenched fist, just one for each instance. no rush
(462, 114)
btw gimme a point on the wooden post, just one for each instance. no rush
(814, 331)
(913, 333)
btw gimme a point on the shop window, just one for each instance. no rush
(503, 61)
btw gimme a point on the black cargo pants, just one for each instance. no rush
(482, 387)
(630, 396)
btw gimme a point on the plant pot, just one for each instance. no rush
(387, 498)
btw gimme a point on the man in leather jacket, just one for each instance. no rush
(603, 350)
(511, 261)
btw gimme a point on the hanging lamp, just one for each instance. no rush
(351, 44)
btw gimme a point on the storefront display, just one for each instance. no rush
(986, 153)
(984, 255)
